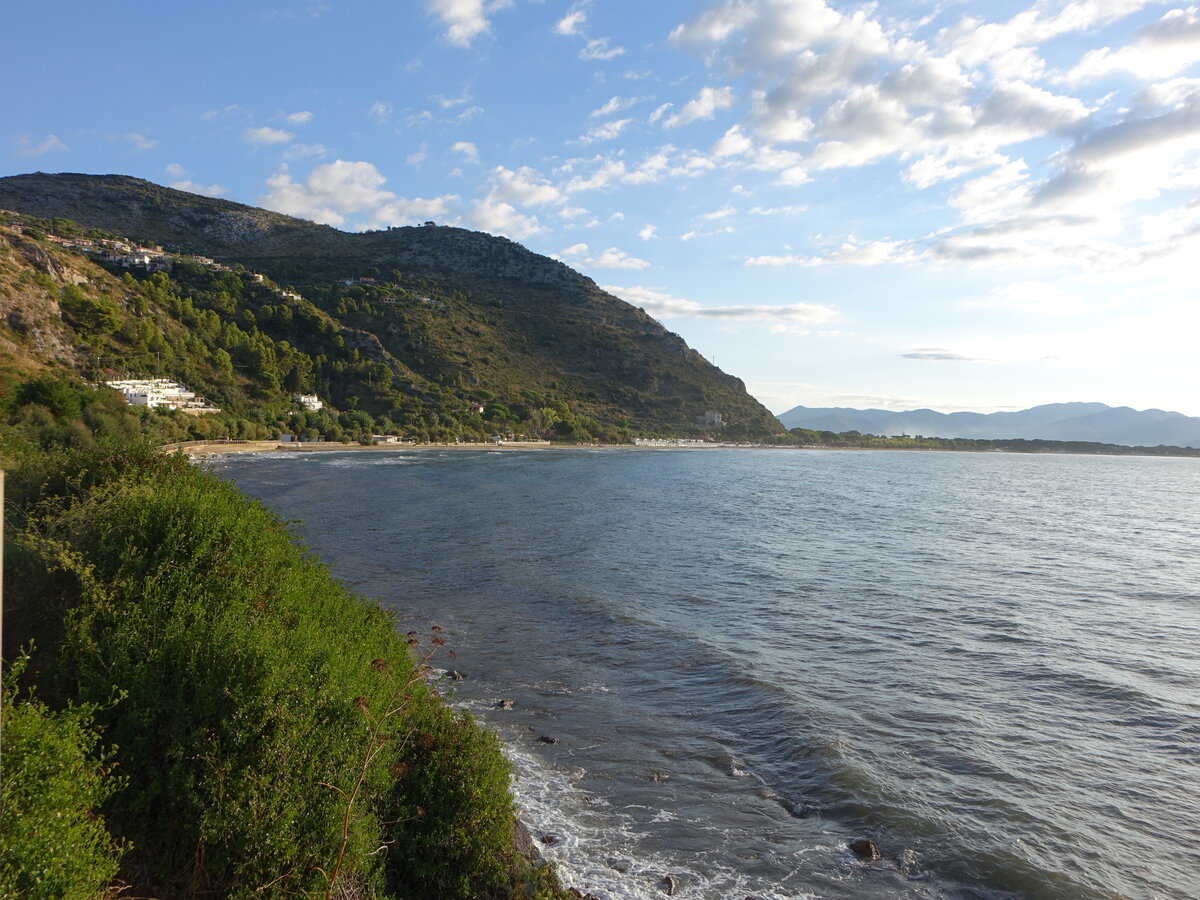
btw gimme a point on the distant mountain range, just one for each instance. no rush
(1052, 422)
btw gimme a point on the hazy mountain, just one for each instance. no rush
(1054, 421)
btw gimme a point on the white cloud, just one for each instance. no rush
(497, 217)
(302, 117)
(658, 112)
(664, 306)
(343, 193)
(611, 258)
(705, 105)
(1162, 49)
(25, 145)
(381, 111)
(194, 187)
(777, 210)
(466, 150)
(850, 252)
(606, 131)
(139, 140)
(614, 105)
(733, 142)
(265, 135)
(600, 49)
(524, 186)
(648, 232)
(306, 151)
(571, 23)
(465, 20)
(417, 156)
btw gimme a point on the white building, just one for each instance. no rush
(160, 392)
(311, 402)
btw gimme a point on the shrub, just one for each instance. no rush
(52, 841)
(250, 679)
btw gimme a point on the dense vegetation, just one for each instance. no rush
(444, 333)
(274, 735)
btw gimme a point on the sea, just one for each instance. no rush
(725, 666)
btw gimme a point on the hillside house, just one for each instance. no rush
(311, 402)
(161, 393)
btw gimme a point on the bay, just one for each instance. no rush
(989, 664)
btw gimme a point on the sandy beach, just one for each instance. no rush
(199, 449)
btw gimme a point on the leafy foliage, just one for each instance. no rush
(53, 843)
(247, 675)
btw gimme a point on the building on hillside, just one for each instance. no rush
(161, 393)
(311, 402)
(710, 419)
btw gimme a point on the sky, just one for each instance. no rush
(955, 205)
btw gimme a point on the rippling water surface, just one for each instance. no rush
(987, 663)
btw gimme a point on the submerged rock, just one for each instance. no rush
(865, 849)
(670, 884)
(504, 704)
(546, 739)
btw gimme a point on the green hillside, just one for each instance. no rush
(435, 332)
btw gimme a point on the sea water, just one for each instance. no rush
(988, 664)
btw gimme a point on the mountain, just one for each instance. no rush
(451, 320)
(1054, 421)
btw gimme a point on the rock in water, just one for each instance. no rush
(670, 884)
(546, 739)
(504, 704)
(865, 849)
(523, 842)
(456, 675)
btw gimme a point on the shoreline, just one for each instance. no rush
(208, 449)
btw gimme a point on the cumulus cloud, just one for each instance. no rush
(265, 136)
(664, 306)
(465, 20)
(27, 145)
(343, 193)
(704, 105)
(956, 109)
(611, 258)
(648, 232)
(497, 217)
(524, 186)
(301, 117)
(1161, 49)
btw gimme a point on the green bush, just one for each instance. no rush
(53, 844)
(251, 681)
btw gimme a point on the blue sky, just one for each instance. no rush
(959, 205)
